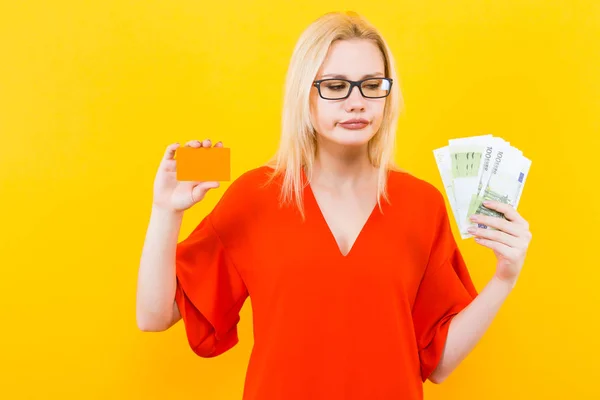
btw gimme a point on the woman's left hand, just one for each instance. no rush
(509, 242)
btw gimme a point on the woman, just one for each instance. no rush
(358, 288)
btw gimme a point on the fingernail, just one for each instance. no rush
(487, 203)
(471, 230)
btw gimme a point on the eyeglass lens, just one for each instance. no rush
(337, 89)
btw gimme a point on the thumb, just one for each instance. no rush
(200, 189)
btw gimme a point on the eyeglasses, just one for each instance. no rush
(338, 89)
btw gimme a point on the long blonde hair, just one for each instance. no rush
(297, 146)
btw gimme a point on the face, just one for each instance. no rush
(353, 60)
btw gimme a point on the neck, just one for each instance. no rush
(342, 167)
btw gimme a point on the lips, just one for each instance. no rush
(354, 123)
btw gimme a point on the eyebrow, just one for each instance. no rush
(341, 76)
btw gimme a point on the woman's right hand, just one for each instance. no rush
(174, 195)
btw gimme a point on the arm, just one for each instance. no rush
(468, 326)
(509, 241)
(156, 309)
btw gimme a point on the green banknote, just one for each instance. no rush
(466, 163)
(505, 185)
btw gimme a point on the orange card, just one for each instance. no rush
(203, 164)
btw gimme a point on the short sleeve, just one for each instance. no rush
(210, 292)
(445, 289)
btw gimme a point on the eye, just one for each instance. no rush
(336, 85)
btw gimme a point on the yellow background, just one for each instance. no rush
(92, 92)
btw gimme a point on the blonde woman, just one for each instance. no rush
(358, 288)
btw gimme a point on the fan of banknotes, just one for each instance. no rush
(478, 168)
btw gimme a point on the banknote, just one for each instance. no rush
(505, 185)
(478, 168)
(490, 152)
(444, 164)
(495, 147)
(466, 155)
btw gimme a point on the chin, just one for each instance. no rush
(350, 137)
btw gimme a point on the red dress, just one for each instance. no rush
(368, 325)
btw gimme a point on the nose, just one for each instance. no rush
(355, 101)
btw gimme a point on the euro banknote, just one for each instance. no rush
(478, 168)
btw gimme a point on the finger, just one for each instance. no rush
(498, 223)
(496, 236)
(208, 185)
(170, 151)
(206, 143)
(200, 190)
(170, 165)
(496, 246)
(193, 143)
(219, 144)
(202, 185)
(509, 211)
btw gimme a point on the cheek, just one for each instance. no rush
(378, 115)
(324, 115)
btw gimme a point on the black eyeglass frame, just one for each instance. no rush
(358, 84)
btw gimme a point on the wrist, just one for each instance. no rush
(508, 283)
(166, 212)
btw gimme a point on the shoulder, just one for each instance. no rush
(416, 200)
(251, 182)
(412, 191)
(244, 197)
(423, 208)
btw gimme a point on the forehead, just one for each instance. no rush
(353, 59)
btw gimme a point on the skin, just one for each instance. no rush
(509, 243)
(344, 182)
(342, 153)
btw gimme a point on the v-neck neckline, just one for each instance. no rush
(323, 221)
